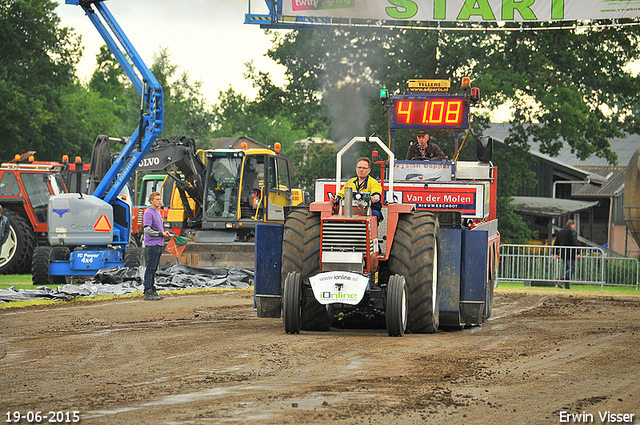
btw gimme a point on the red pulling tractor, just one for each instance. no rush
(430, 263)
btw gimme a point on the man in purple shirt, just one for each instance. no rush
(154, 235)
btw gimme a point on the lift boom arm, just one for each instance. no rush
(152, 105)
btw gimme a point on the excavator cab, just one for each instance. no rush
(243, 187)
(222, 185)
(246, 185)
(235, 185)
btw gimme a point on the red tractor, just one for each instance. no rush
(417, 270)
(24, 195)
(431, 261)
(341, 265)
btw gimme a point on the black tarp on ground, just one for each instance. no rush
(121, 281)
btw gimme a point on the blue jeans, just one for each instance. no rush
(376, 208)
(377, 214)
(569, 268)
(153, 260)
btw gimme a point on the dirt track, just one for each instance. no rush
(207, 359)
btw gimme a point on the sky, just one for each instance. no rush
(206, 38)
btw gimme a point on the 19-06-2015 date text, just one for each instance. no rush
(51, 417)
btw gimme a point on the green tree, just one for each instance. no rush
(92, 115)
(332, 76)
(574, 84)
(300, 98)
(109, 79)
(231, 116)
(36, 78)
(186, 111)
(311, 161)
(236, 115)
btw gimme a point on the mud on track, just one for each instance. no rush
(207, 359)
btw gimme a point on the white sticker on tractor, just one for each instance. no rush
(339, 287)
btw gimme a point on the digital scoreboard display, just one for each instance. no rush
(430, 112)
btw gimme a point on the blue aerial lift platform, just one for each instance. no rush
(97, 227)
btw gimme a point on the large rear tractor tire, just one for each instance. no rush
(397, 306)
(301, 253)
(17, 251)
(414, 255)
(291, 297)
(40, 266)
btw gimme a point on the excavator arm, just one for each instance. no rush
(179, 159)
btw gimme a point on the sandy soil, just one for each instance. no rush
(207, 359)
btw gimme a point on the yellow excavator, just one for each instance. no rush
(220, 195)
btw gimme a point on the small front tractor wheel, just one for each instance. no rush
(397, 310)
(291, 303)
(40, 266)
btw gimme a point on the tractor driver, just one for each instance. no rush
(364, 183)
(422, 149)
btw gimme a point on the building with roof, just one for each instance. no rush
(590, 191)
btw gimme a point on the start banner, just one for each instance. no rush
(465, 10)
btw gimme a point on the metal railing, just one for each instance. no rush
(544, 263)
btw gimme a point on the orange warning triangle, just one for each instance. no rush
(102, 225)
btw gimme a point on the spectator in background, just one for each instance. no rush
(567, 237)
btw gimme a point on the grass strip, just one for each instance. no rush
(626, 291)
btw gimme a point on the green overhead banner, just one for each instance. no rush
(465, 10)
